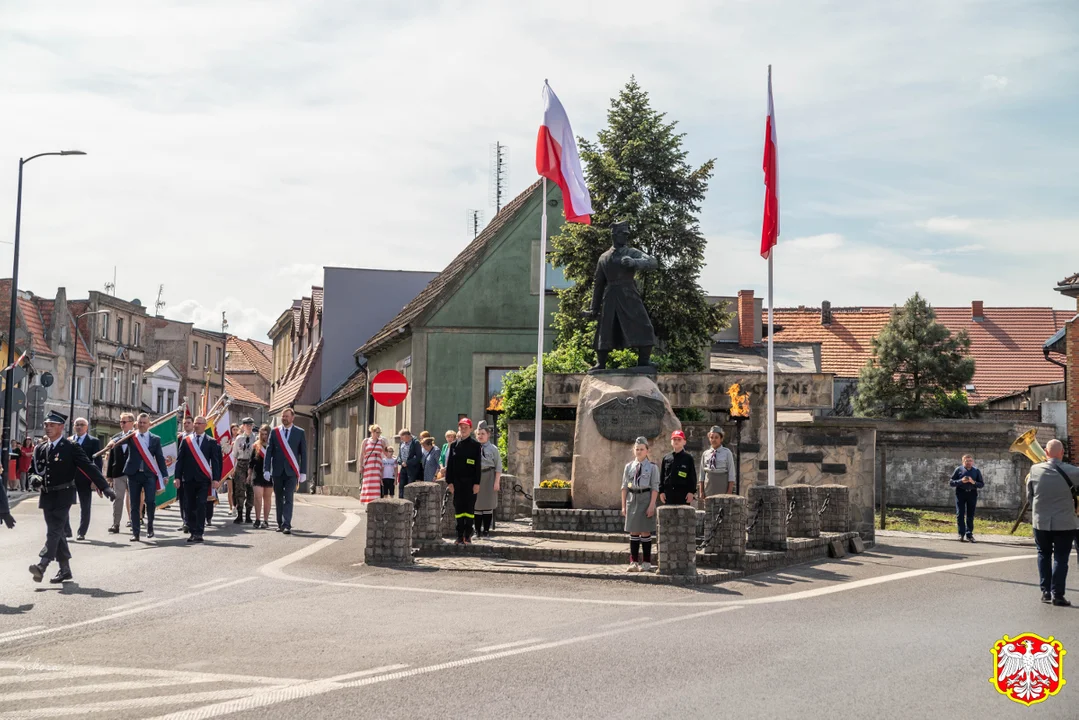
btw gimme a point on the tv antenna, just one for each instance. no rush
(110, 287)
(499, 175)
(475, 222)
(159, 304)
(224, 323)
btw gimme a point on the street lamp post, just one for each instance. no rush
(5, 439)
(75, 368)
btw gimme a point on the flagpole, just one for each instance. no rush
(771, 383)
(538, 435)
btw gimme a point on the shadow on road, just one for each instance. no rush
(73, 588)
(887, 551)
(15, 609)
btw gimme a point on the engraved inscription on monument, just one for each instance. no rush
(626, 419)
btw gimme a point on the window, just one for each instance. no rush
(135, 400)
(117, 383)
(217, 359)
(120, 330)
(102, 381)
(136, 335)
(161, 401)
(105, 326)
(353, 435)
(556, 278)
(172, 401)
(206, 356)
(194, 355)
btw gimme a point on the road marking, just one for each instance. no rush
(21, 631)
(112, 705)
(74, 670)
(365, 673)
(274, 696)
(274, 569)
(131, 604)
(50, 676)
(208, 582)
(620, 623)
(122, 613)
(506, 646)
(70, 690)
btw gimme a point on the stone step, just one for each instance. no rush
(516, 531)
(533, 549)
(704, 576)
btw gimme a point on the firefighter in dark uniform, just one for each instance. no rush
(677, 473)
(57, 462)
(463, 479)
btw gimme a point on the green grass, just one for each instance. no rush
(938, 521)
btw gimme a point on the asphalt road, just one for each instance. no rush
(256, 624)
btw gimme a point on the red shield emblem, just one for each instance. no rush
(1028, 668)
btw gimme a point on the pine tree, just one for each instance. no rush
(637, 171)
(918, 368)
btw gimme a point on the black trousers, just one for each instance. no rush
(86, 495)
(56, 547)
(464, 508)
(181, 500)
(1053, 549)
(195, 492)
(387, 487)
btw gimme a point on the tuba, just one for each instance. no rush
(1027, 444)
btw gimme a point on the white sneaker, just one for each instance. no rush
(634, 567)
(646, 567)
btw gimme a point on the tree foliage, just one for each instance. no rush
(918, 368)
(637, 171)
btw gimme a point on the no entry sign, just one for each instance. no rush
(389, 388)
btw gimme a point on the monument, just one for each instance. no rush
(615, 406)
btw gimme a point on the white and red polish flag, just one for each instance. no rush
(770, 229)
(558, 161)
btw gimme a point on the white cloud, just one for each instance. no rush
(994, 82)
(243, 320)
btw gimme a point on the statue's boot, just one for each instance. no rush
(601, 360)
(644, 356)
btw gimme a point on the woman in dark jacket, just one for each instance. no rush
(263, 488)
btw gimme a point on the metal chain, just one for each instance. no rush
(824, 505)
(790, 509)
(445, 502)
(518, 489)
(756, 516)
(712, 532)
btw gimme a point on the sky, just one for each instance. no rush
(236, 147)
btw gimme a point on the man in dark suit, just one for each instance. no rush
(198, 468)
(90, 446)
(409, 459)
(286, 466)
(144, 466)
(57, 462)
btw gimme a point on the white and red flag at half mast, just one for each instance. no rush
(558, 161)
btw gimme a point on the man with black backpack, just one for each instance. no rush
(1051, 489)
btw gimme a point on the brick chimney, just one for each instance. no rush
(745, 318)
(825, 313)
(977, 311)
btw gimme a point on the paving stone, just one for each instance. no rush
(835, 549)
(856, 545)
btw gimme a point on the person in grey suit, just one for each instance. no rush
(1050, 488)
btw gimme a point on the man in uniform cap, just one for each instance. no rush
(463, 479)
(717, 466)
(57, 462)
(243, 494)
(677, 473)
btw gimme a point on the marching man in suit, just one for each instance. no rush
(114, 472)
(144, 467)
(90, 446)
(57, 462)
(198, 468)
(286, 466)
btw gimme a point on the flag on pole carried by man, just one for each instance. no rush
(166, 433)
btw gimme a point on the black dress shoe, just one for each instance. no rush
(149, 532)
(1047, 598)
(198, 539)
(38, 572)
(185, 529)
(61, 575)
(257, 525)
(1061, 602)
(287, 531)
(81, 536)
(191, 538)
(134, 538)
(115, 529)
(279, 528)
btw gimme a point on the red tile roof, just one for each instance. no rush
(238, 392)
(245, 356)
(295, 378)
(35, 318)
(1006, 345)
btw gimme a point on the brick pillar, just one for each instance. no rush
(507, 499)
(836, 515)
(677, 539)
(448, 522)
(728, 541)
(746, 331)
(426, 497)
(805, 522)
(389, 532)
(767, 510)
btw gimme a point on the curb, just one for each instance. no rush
(1000, 540)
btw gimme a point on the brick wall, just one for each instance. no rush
(745, 318)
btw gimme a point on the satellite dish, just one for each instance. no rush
(46, 379)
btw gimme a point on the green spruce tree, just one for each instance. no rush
(637, 171)
(918, 368)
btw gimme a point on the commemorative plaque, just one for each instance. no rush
(626, 419)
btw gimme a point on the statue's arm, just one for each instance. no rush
(642, 260)
(598, 286)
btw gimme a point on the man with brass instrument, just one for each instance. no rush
(1052, 487)
(967, 480)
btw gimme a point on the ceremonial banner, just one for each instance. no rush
(166, 432)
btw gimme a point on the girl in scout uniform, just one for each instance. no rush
(717, 467)
(490, 480)
(640, 490)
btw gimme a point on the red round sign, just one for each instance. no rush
(389, 388)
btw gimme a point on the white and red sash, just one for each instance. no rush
(150, 463)
(289, 455)
(204, 465)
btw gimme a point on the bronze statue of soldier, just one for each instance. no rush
(616, 301)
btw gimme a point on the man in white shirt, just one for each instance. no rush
(90, 446)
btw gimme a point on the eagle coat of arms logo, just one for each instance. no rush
(1028, 668)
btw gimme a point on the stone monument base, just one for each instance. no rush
(613, 409)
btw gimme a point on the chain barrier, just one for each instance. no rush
(756, 516)
(824, 505)
(712, 532)
(790, 509)
(518, 489)
(445, 502)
